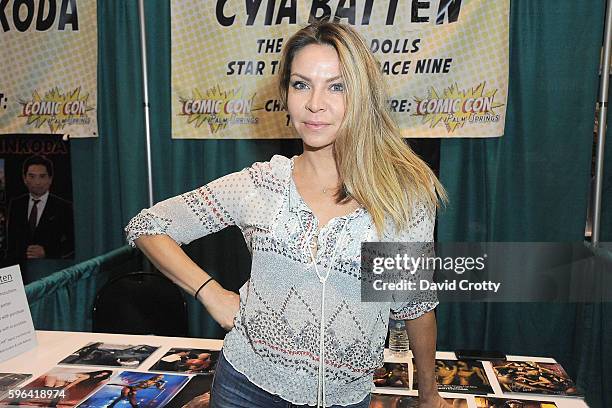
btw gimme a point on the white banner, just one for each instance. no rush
(446, 62)
(49, 53)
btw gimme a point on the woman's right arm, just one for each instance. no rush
(160, 230)
(172, 261)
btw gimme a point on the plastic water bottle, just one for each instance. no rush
(398, 339)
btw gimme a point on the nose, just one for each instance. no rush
(316, 102)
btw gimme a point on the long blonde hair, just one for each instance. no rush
(376, 167)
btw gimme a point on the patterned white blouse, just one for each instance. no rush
(278, 335)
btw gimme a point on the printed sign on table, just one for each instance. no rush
(16, 327)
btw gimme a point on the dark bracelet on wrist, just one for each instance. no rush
(201, 287)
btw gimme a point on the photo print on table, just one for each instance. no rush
(10, 381)
(188, 361)
(464, 376)
(137, 389)
(110, 355)
(60, 387)
(395, 375)
(408, 401)
(195, 394)
(534, 378)
(492, 402)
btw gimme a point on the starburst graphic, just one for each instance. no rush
(455, 107)
(217, 108)
(55, 109)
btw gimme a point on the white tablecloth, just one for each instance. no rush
(54, 346)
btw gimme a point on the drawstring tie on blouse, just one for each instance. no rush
(321, 402)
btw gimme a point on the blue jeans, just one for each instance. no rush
(231, 389)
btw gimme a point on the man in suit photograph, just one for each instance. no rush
(40, 224)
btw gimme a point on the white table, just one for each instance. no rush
(54, 346)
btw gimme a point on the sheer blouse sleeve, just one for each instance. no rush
(196, 213)
(420, 229)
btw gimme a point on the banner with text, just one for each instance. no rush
(446, 62)
(48, 81)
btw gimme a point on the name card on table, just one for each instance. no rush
(17, 333)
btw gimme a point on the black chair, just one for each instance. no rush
(141, 303)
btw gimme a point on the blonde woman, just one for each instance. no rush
(299, 333)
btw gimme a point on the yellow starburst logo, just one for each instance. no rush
(455, 107)
(56, 109)
(218, 108)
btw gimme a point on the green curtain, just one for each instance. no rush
(109, 172)
(532, 185)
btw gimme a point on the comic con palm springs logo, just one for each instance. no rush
(454, 107)
(57, 109)
(218, 108)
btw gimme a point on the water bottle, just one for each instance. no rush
(398, 339)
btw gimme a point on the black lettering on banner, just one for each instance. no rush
(415, 45)
(252, 7)
(273, 105)
(221, 17)
(22, 25)
(400, 105)
(391, 12)
(270, 45)
(3, 21)
(397, 46)
(68, 18)
(285, 11)
(367, 12)
(43, 24)
(23, 12)
(416, 6)
(245, 68)
(396, 68)
(321, 10)
(314, 10)
(346, 12)
(448, 9)
(433, 66)
(274, 65)
(269, 12)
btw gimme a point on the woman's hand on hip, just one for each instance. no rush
(222, 304)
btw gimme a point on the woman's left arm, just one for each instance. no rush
(422, 334)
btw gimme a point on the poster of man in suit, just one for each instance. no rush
(39, 221)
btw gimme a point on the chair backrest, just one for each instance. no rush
(141, 303)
